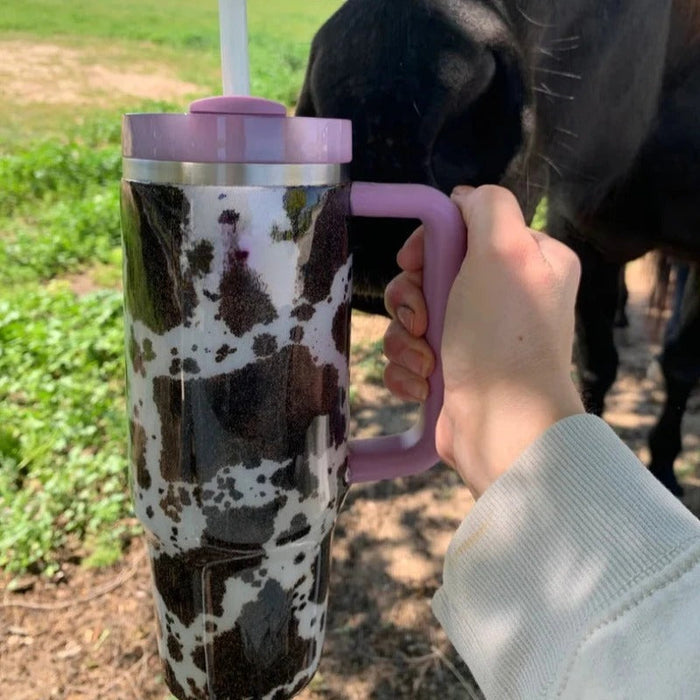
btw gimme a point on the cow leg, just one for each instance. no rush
(596, 309)
(680, 363)
(621, 319)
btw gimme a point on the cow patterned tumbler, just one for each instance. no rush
(237, 423)
(237, 288)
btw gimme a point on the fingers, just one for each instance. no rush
(402, 348)
(410, 257)
(403, 299)
(404, 384)
(411, 362)
(403, 296)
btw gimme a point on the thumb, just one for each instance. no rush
(493, 218)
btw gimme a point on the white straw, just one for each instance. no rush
(235, 70)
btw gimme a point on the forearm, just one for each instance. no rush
(550, 548)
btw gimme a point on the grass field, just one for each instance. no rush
(67, 72)
(176, 37)
(178, 23)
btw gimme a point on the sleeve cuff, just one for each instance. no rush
(573, 525)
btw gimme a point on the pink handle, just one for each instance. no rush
(445, 247)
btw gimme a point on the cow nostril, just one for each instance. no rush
(476, 145)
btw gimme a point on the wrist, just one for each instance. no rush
(481, 438)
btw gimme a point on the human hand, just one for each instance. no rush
(507, 339)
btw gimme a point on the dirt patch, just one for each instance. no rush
(53, 74)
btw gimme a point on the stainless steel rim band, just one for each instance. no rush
(166, 172)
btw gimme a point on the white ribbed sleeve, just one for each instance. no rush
(576, 575)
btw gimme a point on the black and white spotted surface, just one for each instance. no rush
(237, 322)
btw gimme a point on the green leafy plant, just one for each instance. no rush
(62, 445)
(62, 237)
(51, 170)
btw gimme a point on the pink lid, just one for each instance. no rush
(236, 130)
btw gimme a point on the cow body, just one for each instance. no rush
(592, 103)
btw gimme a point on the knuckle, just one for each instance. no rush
(509, 249)
(391, 296)
(393, 379)
(493, 196)
(393, 340)
(390, 374)
(396, 291)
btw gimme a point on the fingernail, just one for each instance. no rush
(462, 189)
(406, 317)
(417, 389)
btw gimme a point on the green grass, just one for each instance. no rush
(59, 208)
(179, 23)
(63, 468)
(62, 430)
(180, 36)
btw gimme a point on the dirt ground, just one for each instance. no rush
(91, 634)
(53, 74)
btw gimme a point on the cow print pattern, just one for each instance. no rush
(237, 324)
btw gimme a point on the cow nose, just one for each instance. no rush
(483, 131)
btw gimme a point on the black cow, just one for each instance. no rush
(593, 103)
